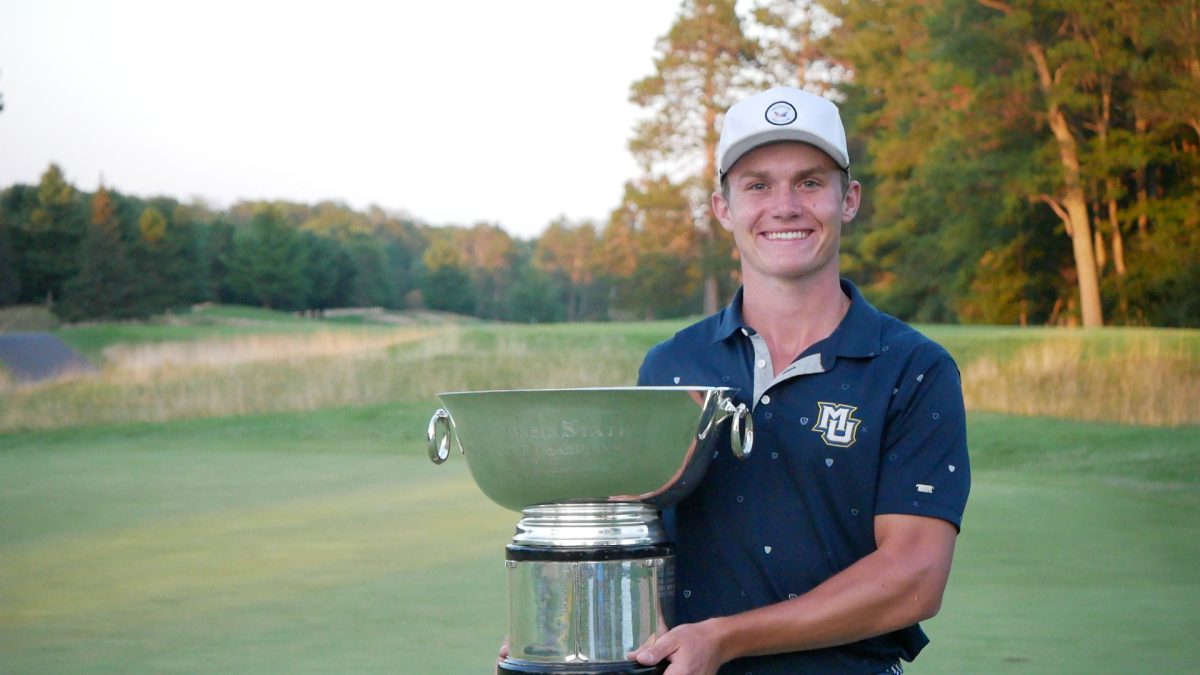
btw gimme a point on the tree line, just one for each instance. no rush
(106, 255)
(1024, 162)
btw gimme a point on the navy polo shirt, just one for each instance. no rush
(868, 421)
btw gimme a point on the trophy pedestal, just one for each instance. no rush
(587, 584)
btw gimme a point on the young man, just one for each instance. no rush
(822, 551)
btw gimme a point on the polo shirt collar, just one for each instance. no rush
(857, 336)
(729, 321)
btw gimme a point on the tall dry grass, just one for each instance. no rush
(1135, 378)
(1142, 380)
(259, 374)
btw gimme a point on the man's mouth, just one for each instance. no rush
(778, 236)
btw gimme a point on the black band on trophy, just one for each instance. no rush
(597, 669)
(591, 554)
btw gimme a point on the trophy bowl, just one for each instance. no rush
(610, 444)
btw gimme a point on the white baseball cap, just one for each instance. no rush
(781, 114)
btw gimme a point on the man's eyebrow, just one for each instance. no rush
(814, 170)
(754, 174)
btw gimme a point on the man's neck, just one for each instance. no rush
(794, 316)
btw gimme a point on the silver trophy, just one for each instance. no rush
(590, 569)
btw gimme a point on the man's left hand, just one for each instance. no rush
(691, 649)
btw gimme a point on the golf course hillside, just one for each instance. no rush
(245, 491)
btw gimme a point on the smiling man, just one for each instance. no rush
(822, 551)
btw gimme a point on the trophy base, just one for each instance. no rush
(507, 667)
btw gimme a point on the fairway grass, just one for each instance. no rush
(326, 542)
(276, 544)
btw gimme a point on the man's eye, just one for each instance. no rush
(810, 184)
(757, 186)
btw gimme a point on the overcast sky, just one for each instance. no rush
(505, 111)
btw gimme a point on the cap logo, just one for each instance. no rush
(781, 113)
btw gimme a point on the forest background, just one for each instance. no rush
(1023, 163)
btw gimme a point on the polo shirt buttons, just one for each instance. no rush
(762, 363)
(765, 399)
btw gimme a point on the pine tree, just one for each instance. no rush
(103, 288)
(267, 264)
(49, 240)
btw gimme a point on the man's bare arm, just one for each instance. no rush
(899, 584)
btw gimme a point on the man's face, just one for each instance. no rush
(786, 209)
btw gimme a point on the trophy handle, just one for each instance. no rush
(440, 434)
(741, 439)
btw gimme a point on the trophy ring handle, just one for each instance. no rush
(742, 440)
(440, 435)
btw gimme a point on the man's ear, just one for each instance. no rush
(851, 201)
(720, 207)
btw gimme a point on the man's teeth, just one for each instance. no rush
(788, 235)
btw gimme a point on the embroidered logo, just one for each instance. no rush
(837, 424)
(781, 113)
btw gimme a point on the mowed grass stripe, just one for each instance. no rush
(218, 560)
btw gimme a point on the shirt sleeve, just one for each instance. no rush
(925, 469)
(649, 374)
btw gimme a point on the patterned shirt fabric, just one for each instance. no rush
(868, 421)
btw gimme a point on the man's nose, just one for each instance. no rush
(787, 204)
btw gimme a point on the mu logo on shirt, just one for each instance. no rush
(837, 424)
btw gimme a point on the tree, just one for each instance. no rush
(104, 286)
(329, 274)
(569, 254)
(703, 65)
(268, 263)
(218, 237)
(1057, 74)
(371, 284)
(49, 240)
(789, 32)
(166, 253)
(533, 297)
(912, 146)
(664, 279)
(10, 280)
(447, 284)
(488, 253)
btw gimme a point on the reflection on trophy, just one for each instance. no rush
(590, 569)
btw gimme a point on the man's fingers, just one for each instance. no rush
(646, 657)
(652, 653)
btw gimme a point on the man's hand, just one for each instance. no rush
(692, 649)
